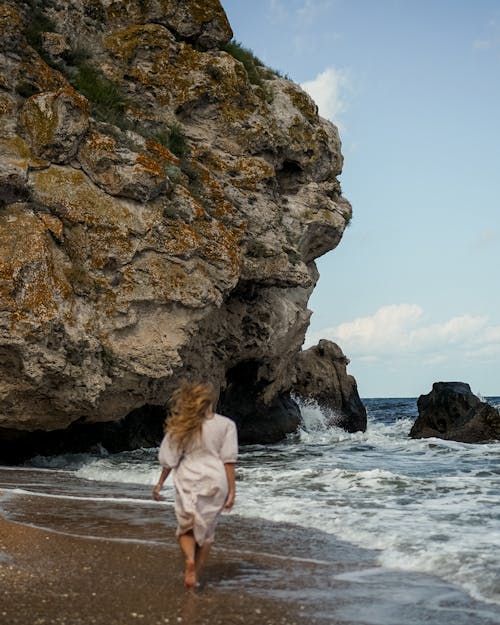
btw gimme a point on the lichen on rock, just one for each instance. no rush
(174, 240)
(125, 164)
(55, 123)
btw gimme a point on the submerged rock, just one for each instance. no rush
(162, 208)
(451, 411)
(321, 373)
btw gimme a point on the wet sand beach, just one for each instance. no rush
(110, 561)
(52, 578)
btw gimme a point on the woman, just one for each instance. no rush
(201, 448)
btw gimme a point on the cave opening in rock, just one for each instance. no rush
(142, 427)
(242, 401)
(289, 176)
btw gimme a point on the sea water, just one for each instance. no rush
(425, 505)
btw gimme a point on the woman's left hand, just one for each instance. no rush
(157, 489)
(156, 494)
(228, 506)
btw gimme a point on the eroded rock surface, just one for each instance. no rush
(160, 212)
(452, 411)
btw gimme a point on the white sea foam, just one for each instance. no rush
(426, 505)
(429, 505)
(67, 497)
(109, 471)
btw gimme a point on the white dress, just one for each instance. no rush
(200, 479)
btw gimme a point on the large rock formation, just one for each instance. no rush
(161, 207)
(321, 373)
(451, 411)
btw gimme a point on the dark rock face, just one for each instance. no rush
(452, 412)
(143, 427)
(322, 376)
(257, 421)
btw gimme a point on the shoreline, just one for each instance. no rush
(125, 567)
(50, 577)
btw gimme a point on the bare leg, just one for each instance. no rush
(188, 547)
(201, 557)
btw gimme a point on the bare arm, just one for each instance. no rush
(231, 482)
(156, 490)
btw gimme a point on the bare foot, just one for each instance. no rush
(190, 574)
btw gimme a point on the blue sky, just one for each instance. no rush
(412, 292)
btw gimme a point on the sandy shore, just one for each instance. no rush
(50, 578)
(117, 562)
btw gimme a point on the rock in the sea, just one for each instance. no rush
(125, 269)
(321, 373)
(451, 411)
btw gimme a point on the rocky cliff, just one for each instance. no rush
(163, 197)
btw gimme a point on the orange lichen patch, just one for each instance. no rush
(149, 166)
(98, 142)
(150, 38)
(181, 239)
(10, 20)
(78, 99)
(103, 244)
(168, 277)
(190, 287)
(182, 197)
(36, 70)
(71, 196)
(163, 280)
(213, 192)
(161, 152)
(53, 224)
(220, 246)
(93, 248)
(211, 160)
(302, 102)
(29, 284)
(251, 172)
(7, 104)
(183, 74)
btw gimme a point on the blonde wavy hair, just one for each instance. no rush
(188, 409)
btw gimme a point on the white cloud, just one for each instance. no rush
(305, 11)
(486, 238)
(403, 331)
(483, 44)
(328, 91)
(311, 9)
(278, 10)
(491, 38)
